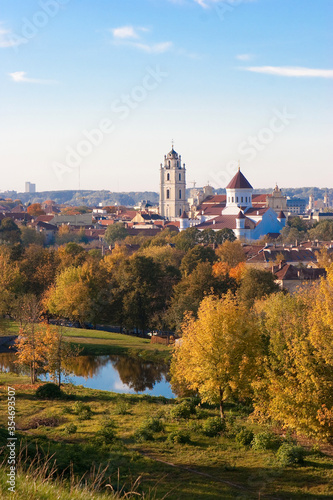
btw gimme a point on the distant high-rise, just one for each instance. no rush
(30, 187)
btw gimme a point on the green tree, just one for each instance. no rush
(115, 233)
(255, 284)
(218, 352)
(196, 255)
(322, 231)
(9, 231)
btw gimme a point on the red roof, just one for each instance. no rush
(239, 182)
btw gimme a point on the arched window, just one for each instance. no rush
(180, 177)
(168, 177)
(180, 195)
(180, 212)
(168, 194)
(169, 164)
(232, 199)
(242, 199)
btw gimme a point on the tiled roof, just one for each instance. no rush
(239, 181)
(256, 211)
(290, 272)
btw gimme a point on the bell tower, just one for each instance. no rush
(173, 200)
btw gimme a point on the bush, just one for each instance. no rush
(290, 454)
(49, 391)
(154, 424)
(82, 411)
(107, 433)
(121, 408)
(180, 437)
(266, 441)
(244, 437)
(70, 428)
(45, 422)
(183, 410)
(143, 434)
(213, 426)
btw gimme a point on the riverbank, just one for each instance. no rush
(98, 342)
(173, 447)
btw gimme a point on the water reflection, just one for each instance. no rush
(118, 373)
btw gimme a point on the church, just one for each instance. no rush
(250, 216)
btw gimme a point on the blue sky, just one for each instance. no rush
(93, 92)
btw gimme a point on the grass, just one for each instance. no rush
(206, 468)
(99, 342)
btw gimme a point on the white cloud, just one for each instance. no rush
(125, 32)
(19, 77)
(205, 4)
(8, 39)
(155, 48)
(245, 57)
(291, 71)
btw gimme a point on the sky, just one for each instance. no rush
(93, 92)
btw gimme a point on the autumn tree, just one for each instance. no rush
(35, 210)
(322, 231)
(296, 384)
(30, 344)
(231, 252)
(218, 351)
(10, 281)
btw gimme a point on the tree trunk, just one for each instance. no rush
(221, 406)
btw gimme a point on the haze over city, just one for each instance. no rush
(107, 85)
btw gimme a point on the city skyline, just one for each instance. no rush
(98, 91)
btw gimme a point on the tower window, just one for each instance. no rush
(168, 177)
(180, 212)
(180, 195)
(232, 199)
(180, 177)
(168, 194)
(246, 199)
(169, 163)
(242, 199)
(236, 199)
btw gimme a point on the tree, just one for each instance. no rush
(231, 252)
(295, 388)
(9, 231)
(196, 255)
(59, 354)
(115, 233)
(190, 291)
(31, 236)
(79, 294)
(35, 210)
(10, 281)
(187, 239)
(38, 268)
(217, 354)
(255, 284)
(30, 344)
(322, 231)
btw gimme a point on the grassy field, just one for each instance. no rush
(97, 342)
(140, 438)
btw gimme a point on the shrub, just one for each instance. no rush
(180, 437)
(266, 441)
(107, 433)
(121, 407)
(183, 410)
(49, 391)
(70, 428)
(213, 426)
(143, 434)
(290, 454)
(82, 411)
(244, 437)
(154, 424)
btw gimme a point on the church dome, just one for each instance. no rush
(173, 154)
